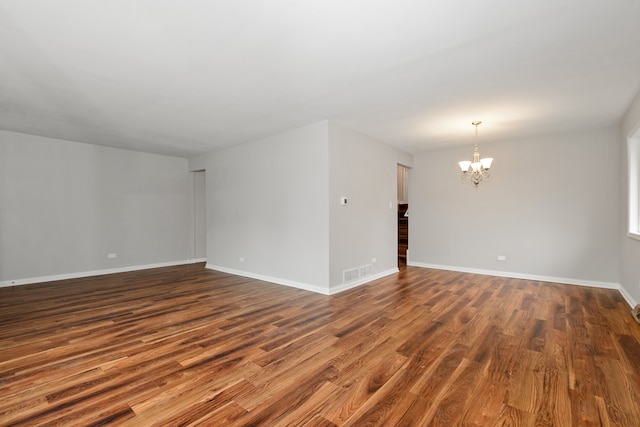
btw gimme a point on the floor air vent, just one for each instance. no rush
(356, 273)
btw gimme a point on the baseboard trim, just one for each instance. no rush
(551, 279)
(367, 279)
(321, 290)
(300, 285)
(270, 279)
(81, 274)
(630, 300)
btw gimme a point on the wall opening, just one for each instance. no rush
(199, 237)
(403, 214)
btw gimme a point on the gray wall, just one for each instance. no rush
(364, 171)
(267, 204)
(275, 203)
(552, 207)
(630, 270)
(66, 205)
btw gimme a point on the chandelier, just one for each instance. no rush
(477, 170)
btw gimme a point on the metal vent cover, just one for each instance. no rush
(356, 273)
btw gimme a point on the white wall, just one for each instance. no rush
(66, 205)
(267, 203)
(552, 207)
(364, 171)
(630, 248)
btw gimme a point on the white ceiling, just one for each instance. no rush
(183, 77)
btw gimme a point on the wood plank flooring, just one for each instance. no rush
(189, 346)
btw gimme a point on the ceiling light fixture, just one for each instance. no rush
(477, 170)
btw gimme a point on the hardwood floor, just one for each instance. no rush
(188, 346)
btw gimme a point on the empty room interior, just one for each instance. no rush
(320, 213)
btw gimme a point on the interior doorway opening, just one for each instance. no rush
(199, 226)
(403, 214)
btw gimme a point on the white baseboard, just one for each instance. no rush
(630, 300)
(299, 285)
(367, 279)
(92, 273)
(322, 290)
(562, 280)
(276, 280)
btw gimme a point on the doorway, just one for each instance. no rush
(403, 214)
(199, 217)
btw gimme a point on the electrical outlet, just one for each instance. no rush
(112, 255)
(501, 258)
(241, 259)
